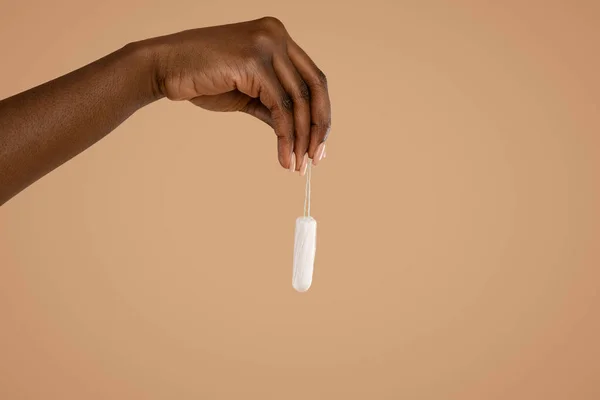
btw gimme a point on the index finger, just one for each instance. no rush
(280, 107)
(320, 104)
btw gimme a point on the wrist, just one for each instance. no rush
(144, 58)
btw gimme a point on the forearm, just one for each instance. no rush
(46, 126)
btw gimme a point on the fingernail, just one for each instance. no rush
(325, 153)
(293, 162)
(304, 165)
(319, 153)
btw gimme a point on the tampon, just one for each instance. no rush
(305, 246)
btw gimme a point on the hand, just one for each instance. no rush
(253, 67)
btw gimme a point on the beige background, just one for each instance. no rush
(458, 211)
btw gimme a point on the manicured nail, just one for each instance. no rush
(304, 165)
(293, 162)
(319, 153)
(325, 153)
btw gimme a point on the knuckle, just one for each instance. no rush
(303, 92)
(321, 78)
(287, 103)
(271, 22)
(262, 39)
(322, 128)
(268, 34)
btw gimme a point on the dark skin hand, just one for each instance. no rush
(254, 67)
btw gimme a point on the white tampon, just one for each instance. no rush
(305, 247)
(305, 243)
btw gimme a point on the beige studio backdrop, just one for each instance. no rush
(458, 207)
